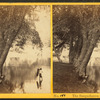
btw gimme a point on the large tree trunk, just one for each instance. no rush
(71, 50)
(78, 49)
(7, 47)
(83, 65)
(4, 55)
(10, 40)
(82, 55)
(2, 44)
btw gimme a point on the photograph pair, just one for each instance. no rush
(49, 48)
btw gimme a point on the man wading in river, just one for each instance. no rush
(40, 78)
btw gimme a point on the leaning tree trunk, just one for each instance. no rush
(2, 45)
(7, 47)
(77, 49)
(4, 55)
(71, 50)
(82, 55)
(83, 65)
(11, 38)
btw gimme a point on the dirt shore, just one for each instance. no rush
(65, 80)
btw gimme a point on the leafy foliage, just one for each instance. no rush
(73, 21)
(10, 18)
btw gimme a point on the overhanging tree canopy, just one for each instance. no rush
(79, 27)
(15, 27)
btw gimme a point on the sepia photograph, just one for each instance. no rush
(25, 49)
(76, 48)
